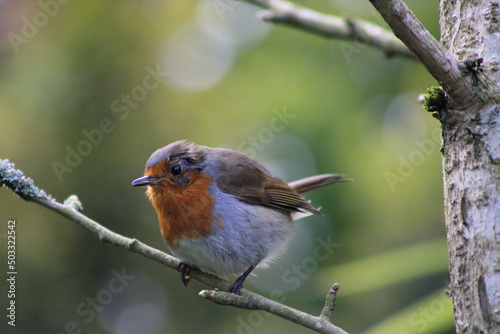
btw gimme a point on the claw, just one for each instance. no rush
(184, 269)
(238, 284)
(236, 287)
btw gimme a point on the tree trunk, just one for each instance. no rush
(470, 30)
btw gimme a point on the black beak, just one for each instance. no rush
(146, 181)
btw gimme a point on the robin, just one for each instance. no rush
(221, 211)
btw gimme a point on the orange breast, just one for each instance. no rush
(183, 210)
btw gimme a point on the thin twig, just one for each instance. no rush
(25, 188)
(330, 301)
(329, 26)
(252, 301)
(436, 59)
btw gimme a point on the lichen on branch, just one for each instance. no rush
(15, 180)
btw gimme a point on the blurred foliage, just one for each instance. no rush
(431, 314)
(354, 114)
(392, 267)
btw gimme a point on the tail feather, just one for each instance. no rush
(315, 182)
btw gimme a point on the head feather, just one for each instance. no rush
(181, 149)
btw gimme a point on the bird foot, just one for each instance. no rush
(184, 269)
(236, 287)
(238, 284)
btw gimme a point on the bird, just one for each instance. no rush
(221, 211)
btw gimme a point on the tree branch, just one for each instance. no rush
(279, 11)
(25, 188)
(252, 301)
(436, 59)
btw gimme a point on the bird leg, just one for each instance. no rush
(238, 284)
(184, 269)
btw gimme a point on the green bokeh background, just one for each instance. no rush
(352, 111)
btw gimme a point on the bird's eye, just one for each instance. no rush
(176, 170)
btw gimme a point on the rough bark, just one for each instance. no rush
(470, 31)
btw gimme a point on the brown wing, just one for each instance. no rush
(252, 183)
